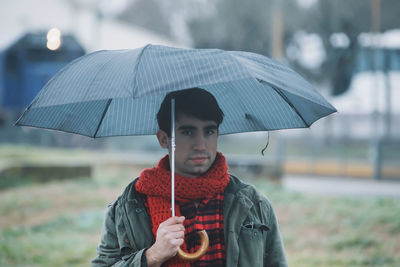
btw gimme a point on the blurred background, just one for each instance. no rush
(335, 186)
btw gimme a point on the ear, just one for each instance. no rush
(162, 139)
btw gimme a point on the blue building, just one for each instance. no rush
(26, 66)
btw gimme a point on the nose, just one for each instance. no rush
(200, 143)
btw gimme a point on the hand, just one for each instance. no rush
(170, 236)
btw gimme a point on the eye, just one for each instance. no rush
(187, 132)
(211, 131)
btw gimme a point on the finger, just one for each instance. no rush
(173, 220)
(175, 235)
(177, 242)
(180, 219)
(175, 228)
(177, 220)
(163, 231)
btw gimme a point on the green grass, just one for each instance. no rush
(58, 223)
(64, 241)
(337, 231)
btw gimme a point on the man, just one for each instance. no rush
(240, 222)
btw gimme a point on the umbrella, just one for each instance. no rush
(114, 93)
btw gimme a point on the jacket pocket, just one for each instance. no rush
(125, 245)
(251, 244)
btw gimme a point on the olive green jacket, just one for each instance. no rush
(251, 230)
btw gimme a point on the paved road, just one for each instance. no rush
(342, 186)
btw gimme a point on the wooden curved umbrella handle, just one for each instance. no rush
(200, 252)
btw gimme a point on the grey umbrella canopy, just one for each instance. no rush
(113, 93)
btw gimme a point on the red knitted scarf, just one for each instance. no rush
(156, 184)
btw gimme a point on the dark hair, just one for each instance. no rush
(195, 102)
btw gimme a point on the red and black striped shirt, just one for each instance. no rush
(208, 215)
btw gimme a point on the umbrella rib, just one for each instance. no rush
(102, 116)
(290, 104)
(136, 67)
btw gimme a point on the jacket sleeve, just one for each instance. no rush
(109, 251)
(275, 252)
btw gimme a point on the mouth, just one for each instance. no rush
(198, 160)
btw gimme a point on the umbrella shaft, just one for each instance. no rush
(173, 156)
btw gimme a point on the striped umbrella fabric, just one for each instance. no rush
(118, 92)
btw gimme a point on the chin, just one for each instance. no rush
(201, 170)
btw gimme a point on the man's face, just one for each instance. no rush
(196, 145)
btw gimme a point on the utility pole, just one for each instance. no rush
(277, 30)
(278, 54)
(376, 140)
(388, 86)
